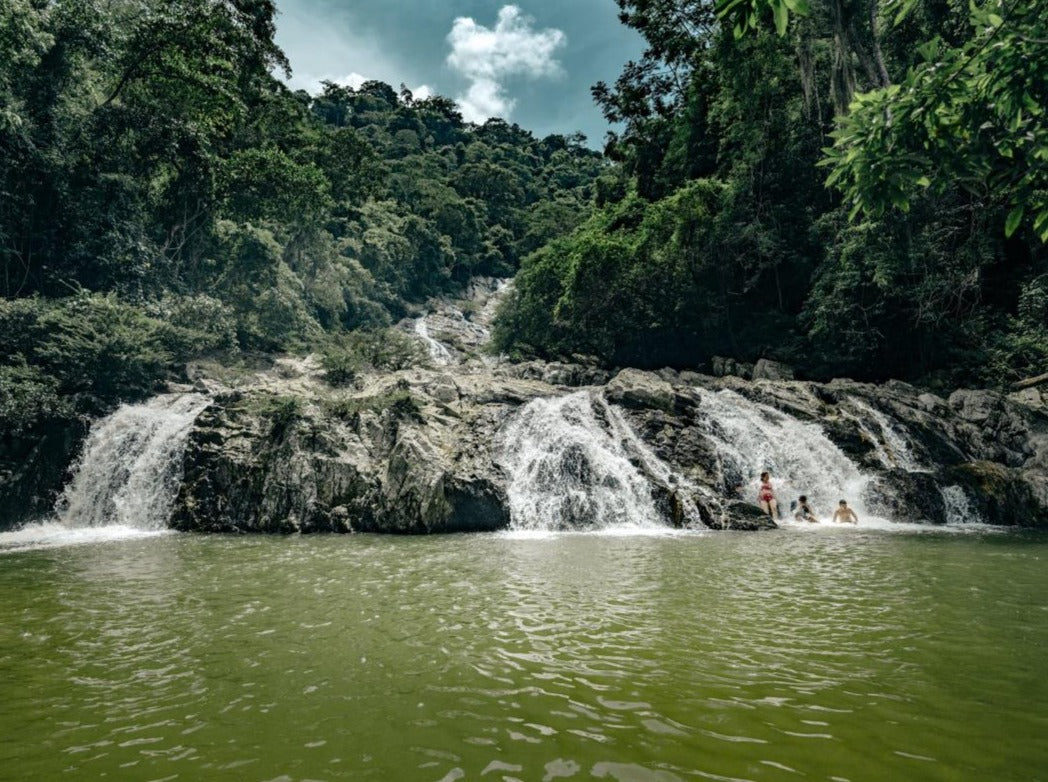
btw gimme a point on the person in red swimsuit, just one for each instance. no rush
(766, 497)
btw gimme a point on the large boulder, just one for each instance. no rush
(636, 389)
(766, 369)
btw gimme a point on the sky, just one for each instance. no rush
(531, 62)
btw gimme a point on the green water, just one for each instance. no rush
(829, 655)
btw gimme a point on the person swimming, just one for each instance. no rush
(803, 511)
(844, 514)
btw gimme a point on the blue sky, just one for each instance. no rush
(531, 62)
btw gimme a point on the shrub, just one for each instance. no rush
(195, 325)
(28, 396)
(348, 355)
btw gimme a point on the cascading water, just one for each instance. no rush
(126, 480)
(438, 353)
(570, 465)
(893, 449)
(131, 466)
(958, 506)
(751, 438)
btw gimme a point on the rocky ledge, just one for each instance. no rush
(425, 450)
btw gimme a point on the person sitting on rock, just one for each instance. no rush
(766, 497)
(844, 514)
(804, 510)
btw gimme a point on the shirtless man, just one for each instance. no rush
(844, 514)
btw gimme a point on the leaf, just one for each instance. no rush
(1012, 222)
(782, 16)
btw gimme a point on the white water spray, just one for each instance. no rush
(959, 509)
(751, 438)
(131, 465)
(570, 465)
(892, 448)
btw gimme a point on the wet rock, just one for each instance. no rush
(1003, 495)
(766, 369)
(637, 389)
(907, 496)
(33, 468)
(418, 451)
(743, 516)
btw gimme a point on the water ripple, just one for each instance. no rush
(567, 657)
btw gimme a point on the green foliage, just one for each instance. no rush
(90, 349)
(604, 290)
(972, 115)
(282, 412)
(384, 349)
(401, 404)
(745, 15)
(267, 297)
(27, 396)
(772, 267)
(194, 325)
(149, 150)
(341, 364)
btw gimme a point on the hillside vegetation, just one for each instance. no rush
(860, 189)
(164, 195)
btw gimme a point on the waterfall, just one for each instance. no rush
(486, 314)
(751, 437)
(892, 448)
(438, 353)
(958, 506)
(570, 464)
(131, 466)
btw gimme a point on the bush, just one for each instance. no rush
(88, 344)
(195, 325)
(341, 364)
(27, 397)
(347, 355)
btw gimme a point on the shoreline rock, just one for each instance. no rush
(415, 452)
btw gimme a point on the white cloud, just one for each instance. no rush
(487, 57)
(421, 92)
(332, 50)
(315, 84)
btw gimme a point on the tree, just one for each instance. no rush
(972, 116)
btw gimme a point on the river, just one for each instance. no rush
(826, 654)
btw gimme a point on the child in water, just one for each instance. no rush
(804, 511)
(844, 514)
(766, 497)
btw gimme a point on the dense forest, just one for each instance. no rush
(858, 187)
(163, 195)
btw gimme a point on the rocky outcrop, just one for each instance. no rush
(33, 468)
(430, 449)
(418, 451)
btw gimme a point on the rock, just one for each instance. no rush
(910, 496)
(33, 468)
(1003, 495)
(743, 516)
(932, 403)
(1031, 397)
(766, 369)
(637, 389)
(418, 451)
(978, 407)
(669, 375)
